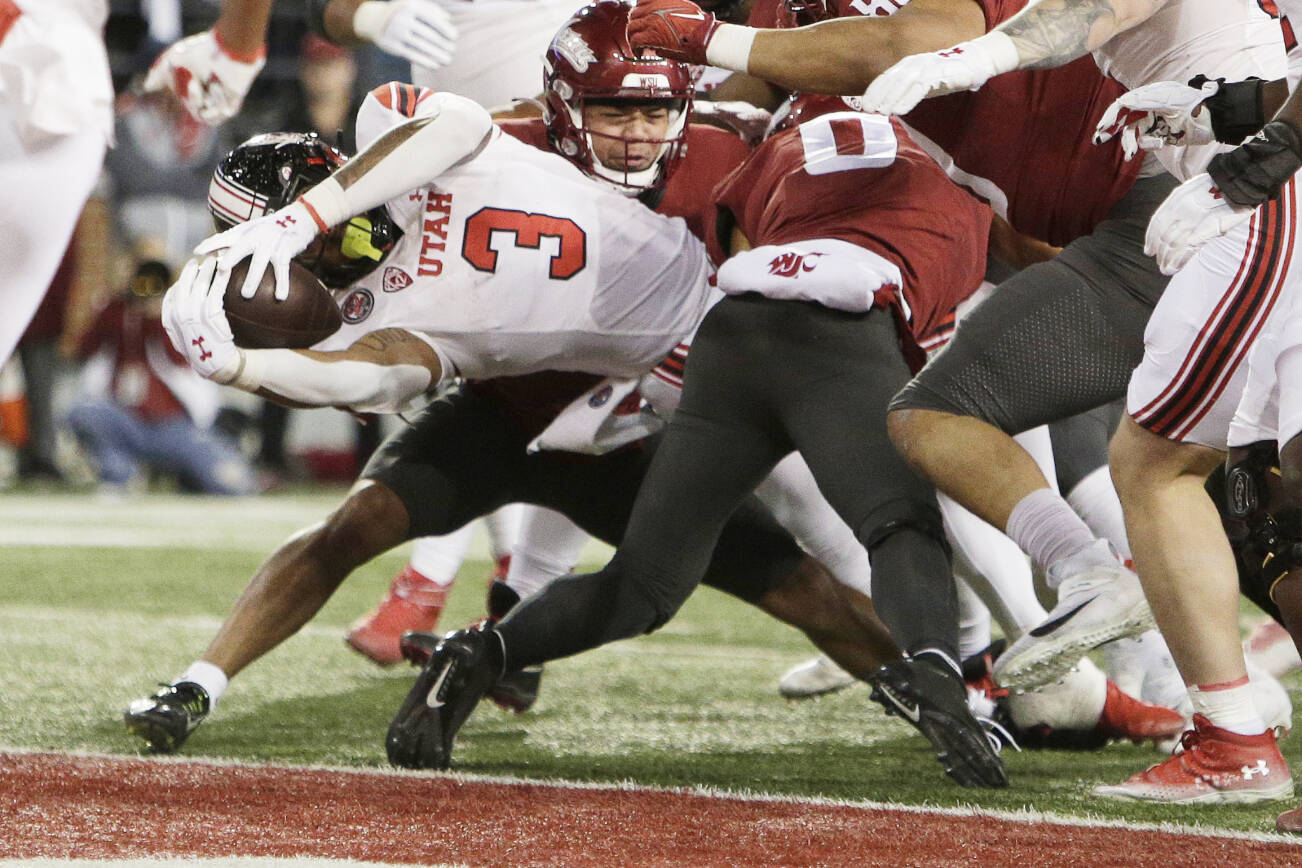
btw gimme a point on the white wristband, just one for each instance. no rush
(1001, 50)
(729, 47)
(328, 203)
(248, 376)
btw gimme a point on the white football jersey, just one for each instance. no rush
(1230, 39)
(514, 262)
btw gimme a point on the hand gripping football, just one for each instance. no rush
(307, 317)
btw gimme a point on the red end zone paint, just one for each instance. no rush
(60, 806)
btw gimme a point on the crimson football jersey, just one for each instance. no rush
(822, 180)
(711, 154)
(1026, 137)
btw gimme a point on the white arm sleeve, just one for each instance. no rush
(366, 387)
(452, 129)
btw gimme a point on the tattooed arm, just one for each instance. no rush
(1055, 32)
(1049, 33)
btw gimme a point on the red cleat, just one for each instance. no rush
(413, 603)
(1216, 767)
(1124, 716)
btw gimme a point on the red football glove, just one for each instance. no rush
(674, 29)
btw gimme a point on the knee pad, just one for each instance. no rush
(1265, 533)
(899, 516)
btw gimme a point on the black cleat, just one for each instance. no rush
(456, 676)
(518, 691)
(933, 698)
(165, 720)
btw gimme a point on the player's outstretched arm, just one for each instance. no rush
(1047, 34)
(450, 130)
(836, 57)
(386, 371)
(383, 372)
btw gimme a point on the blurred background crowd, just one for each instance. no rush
(95, 397)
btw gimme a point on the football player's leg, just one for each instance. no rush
(699, 474)
(46, 184)
(1058, 338)
(548, 546)
(449, 466)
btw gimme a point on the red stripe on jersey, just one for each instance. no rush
(1238, 318)
(386, 94)
(848, 135)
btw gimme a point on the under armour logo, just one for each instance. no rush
(1249, 771)
(204, 354)
(950, 52)
(284, 222)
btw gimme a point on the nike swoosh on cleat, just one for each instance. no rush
(1049, 626)
(432, 698)
(914, 714)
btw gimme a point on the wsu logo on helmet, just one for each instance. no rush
(357, 306)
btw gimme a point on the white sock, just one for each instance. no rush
(503, 526)
(973, 623)
(1095, 500)
(207, 676)
(994, 567)
(438, 558)
(1046, 528)
(1228, 705)
(548, 547)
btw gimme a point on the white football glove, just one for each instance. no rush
(1157, 115)
(420, 31)
(966, 66)
(205, 78)
(195, 320)
(274, 239)
(1192, 215)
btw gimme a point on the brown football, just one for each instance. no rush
(308, 316)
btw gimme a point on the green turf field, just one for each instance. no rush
(98, 602)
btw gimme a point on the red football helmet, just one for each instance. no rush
(590, 59)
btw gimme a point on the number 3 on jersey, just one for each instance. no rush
(528, 231)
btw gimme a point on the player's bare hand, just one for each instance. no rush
(206, 78)
(272, 239)
(1158, 115)
(1192, 215)
(195, 320)
(673, 29)
(420, 31)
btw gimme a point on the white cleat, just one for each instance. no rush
(1099, 600)
(814, 678)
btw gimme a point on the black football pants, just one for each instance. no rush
(765, 377)
(465, 455)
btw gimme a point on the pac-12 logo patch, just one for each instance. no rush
(357, 306)
(600, 397)
(395, 279)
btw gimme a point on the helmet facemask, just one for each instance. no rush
(591, 64)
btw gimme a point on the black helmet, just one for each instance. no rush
(271, 170)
